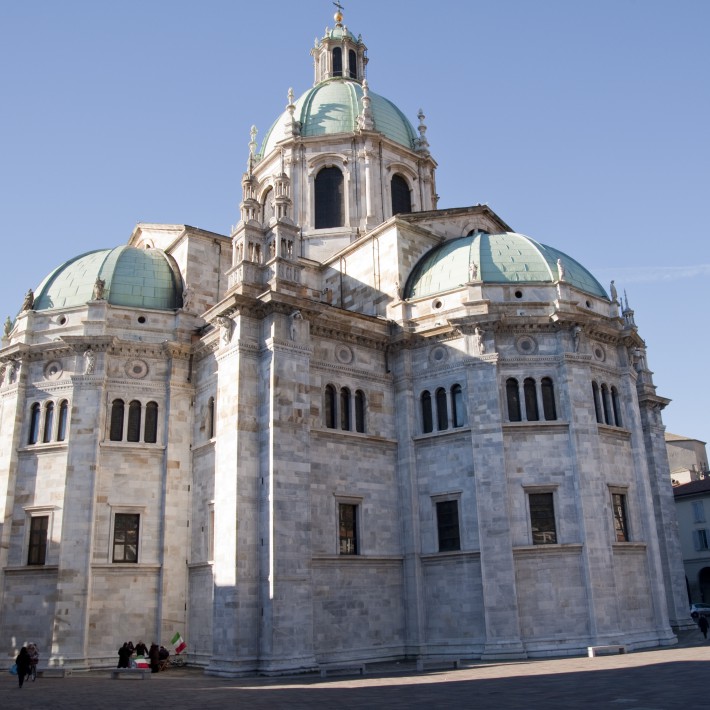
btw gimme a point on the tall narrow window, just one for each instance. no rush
(531, 412)
(347, 529)
(513, 396)
(447, 525)
(117, 410)
(34, 424)
(134, 421)
(210, 418)
(427, 419)
(401, 196)
(457, 412)
(337, 61)
(267, 207)
(360, 411)
(48, 422)
(548, 399)
(597, 403)
(329, 406)
(37, 548)
(698, 511)
(125, 537)
(621, 527)
(542, 518)
(329, 198)
(616, 408)
(210, 532)
(345, 409)
(442, 416)
(605, 405)
(151, 423)
(62, 423)
(352, 64)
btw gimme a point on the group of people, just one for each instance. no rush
(130, 656)
(26, 662)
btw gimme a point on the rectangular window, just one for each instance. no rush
(542, 518)
(37, 549)
(700, 537)
(347, 529)
(447, 524)
(125, 537)
(698, 511)
(621, 526)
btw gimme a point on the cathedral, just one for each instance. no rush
(359, 428)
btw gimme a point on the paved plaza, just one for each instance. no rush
(661, 679)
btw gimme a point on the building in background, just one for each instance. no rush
(691, 488)
(358, 428)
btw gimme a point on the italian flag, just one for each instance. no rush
(178, 643)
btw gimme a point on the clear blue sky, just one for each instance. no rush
(582, 124)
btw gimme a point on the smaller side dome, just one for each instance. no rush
(506, 258)
(133, 278)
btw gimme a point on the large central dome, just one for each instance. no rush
(332, 107)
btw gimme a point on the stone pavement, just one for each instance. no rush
(661, 679)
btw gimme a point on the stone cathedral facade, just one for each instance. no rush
(359, 428)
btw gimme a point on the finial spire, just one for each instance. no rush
(338, 17)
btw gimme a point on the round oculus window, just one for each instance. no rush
(599, 353)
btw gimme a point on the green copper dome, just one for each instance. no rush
(507, 258)
(135, 278)
(332, 107)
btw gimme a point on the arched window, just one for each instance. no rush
(531, 411)
(401, 196)
(48, 422)
(267, 207)
(210, 418)
(427, 419)
(34, 424)
(352, 64)
(605, 405)
(345, 409)
(513, 396)
(329, 198)
(337, 61)
(360, 411)
(548, 399)
(442, 416)
(62, 423)
(457, 413)
(117, 409)
(597, 404)
(616, 406)
(151, 423)
(329, 406)
(134, 421)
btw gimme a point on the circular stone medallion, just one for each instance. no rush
(526, 345)
(137, 369)
(53, 370)
(344, 354)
